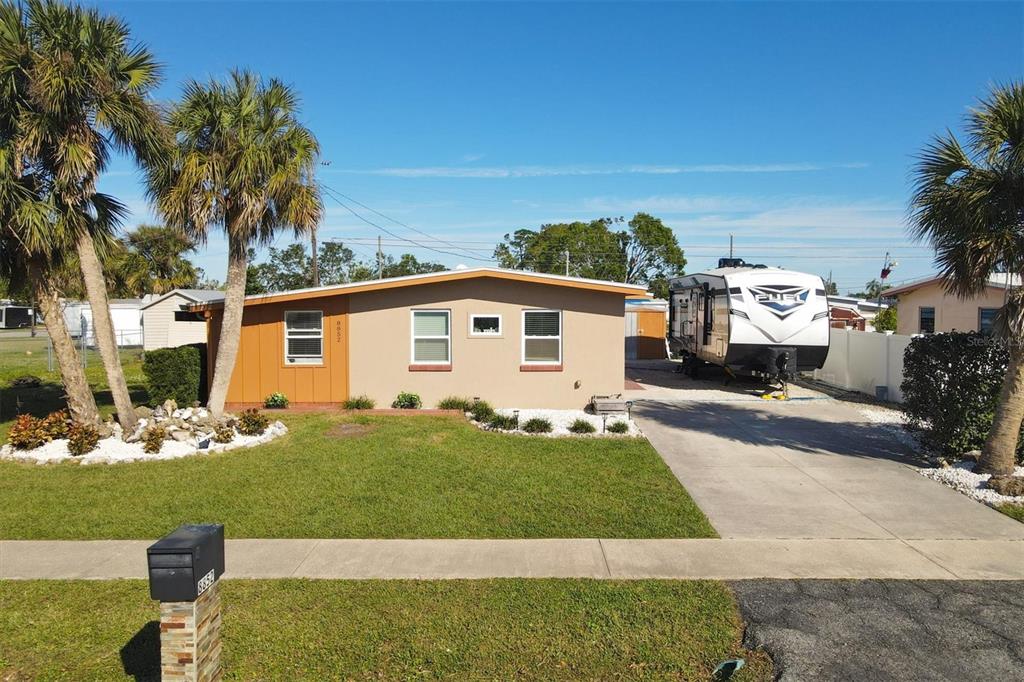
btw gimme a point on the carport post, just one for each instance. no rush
(184, 575)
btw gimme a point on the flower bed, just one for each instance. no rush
(185, 432)
(561, 420)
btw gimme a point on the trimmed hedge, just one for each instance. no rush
(950, 386)
(172, 373)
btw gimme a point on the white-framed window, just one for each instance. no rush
(431, 337)
(484, 325)
(304, 337)
(542, 337)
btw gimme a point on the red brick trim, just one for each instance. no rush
(540, 368)
(430, 368)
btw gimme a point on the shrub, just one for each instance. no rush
(618, 427)
(505, 422)
(223, 432)
(454, 402)
(537, 425)
(950, 387)
(407, 401)
(55, 425)
(172, 373)
(153, 439)
(582, 426)
(360, 402)
(276, 401)
(27, 433)
(82, 439)
(885, 320)
(481, 411)
(252, 422)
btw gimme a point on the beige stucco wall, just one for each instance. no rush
(951, 313)
(380, 325)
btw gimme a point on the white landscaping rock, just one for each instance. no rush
(115, 451)
(561, 419)
(961, 477)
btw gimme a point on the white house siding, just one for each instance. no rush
(162, 331)
(864, 361)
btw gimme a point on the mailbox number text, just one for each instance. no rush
(205, 582)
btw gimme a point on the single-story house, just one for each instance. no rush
(850, 312)
(925, 307)
(167, 323)
(513, 338)
(646, 328)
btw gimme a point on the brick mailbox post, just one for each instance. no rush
(184, 575)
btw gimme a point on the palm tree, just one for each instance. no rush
(88, 94)
(968, 203)
(243, 163)
(150, 260)
(33, 235)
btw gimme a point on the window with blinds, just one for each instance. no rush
(542, 337)
(431, 337)
(304, 337)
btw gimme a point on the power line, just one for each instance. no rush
(331, 193)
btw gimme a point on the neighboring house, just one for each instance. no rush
(167, 322)
(850, 312)
(513, 338)
(646, 327)
(125, 315)
(924, 307)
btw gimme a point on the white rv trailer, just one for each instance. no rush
(750, 319)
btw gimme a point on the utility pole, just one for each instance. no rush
(380, 260)
(315, 266)
(567, 262)
(730, 246)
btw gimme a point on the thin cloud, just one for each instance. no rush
(497, 172)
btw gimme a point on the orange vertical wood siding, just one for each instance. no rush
(651, 329)
(260, 368)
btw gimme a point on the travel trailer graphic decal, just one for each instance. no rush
(780, 299)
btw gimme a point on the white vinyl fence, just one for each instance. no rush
(866, 362)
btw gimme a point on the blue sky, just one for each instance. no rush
(791, 126)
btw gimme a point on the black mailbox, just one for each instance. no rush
(186, 563)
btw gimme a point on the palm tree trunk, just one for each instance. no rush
(103, 331)
(231, 326)
(81, 403)
(999, 452)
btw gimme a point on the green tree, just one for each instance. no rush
(243, 163)
(872, 290)
(407, 264)
(885, 320)
(150, 260)
(646, 252)
(830, 287)
(86, 93)
(968, 203)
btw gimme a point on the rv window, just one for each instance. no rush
(542, 337)
(987, 320)
(926, 320)
(304, 337)
(431, 337)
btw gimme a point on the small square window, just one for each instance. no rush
(542, 337)
(987, 320)
(485, 325)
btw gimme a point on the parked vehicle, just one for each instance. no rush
(15, 316)
(750, 319)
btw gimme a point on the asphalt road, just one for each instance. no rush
(886, 629)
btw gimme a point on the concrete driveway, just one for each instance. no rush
(812, 467)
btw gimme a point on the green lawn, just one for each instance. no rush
(405, 477)
(21, 355)
(318, 630)
(1014, 511)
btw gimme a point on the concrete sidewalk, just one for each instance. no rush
(729, 559)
